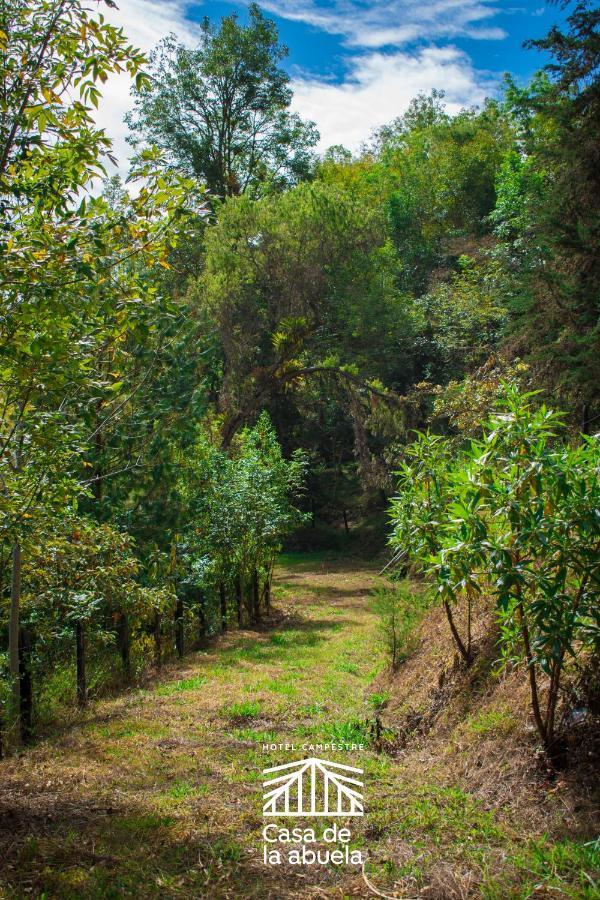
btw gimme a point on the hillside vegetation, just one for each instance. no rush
(248, 348)
(162, 786)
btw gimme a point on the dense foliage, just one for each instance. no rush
(221, 110)
(237, 350)
(514, 518)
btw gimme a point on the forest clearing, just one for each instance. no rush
(161, 786)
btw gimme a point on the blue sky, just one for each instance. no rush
(491, 33)
(355, 64)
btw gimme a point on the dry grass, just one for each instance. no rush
(157, 793)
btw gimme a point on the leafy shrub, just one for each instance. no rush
(514, 516)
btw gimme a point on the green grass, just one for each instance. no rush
(350, 668)
(351, 732)
(182, 789)
(143, 823)
(498, 722)
(246, 709)
(251, 734)
(378, 701)
(305, 560)
(177, 687)
(279, 686)
(548, 868)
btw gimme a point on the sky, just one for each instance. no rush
(355, 64)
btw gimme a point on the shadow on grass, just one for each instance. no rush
(298, 633)
(76, 851)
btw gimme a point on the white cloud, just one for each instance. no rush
(380, 86)
(144, 23)
(392, 22)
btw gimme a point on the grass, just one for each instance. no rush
(178, 687)
(246, 709)
(494, 722)
(183, 789)
(378, 701)
(158, 792)
(350, 732)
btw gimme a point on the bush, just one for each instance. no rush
(514, 516)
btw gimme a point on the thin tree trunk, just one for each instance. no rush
(268, 586)
(80, 659)
(346, 526)
(26, 685)
(249, 602)
(125, 645)
(553, 699)
(457, 638)
(223, 599)
(535, 700)
(179, 634)
(158, 640)
(238, 599)
(255, 595)
(13, 636)
(469, 617)
(201, 617)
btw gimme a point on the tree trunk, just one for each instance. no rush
(157, 640)
(535, 698)
(124, 643)
(223, 599)
(26, 686)
(80, 657)
(346, 526)
(201, 617)
(255, 595)
(249, 602)
(457, 639)
(179, 632)
(13, 636)
(238, 599)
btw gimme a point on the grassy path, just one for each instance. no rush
(158, 793)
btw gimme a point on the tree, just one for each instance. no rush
(221, 110)
(69, 289)
(298, 287)
(513, 517)
(82, 598)
(240, 506)
(547, 217)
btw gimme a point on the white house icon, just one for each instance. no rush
(313, 787)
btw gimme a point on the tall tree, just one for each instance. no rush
(68, 289)
(549, 197)
(221, 110)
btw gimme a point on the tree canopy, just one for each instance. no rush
(221, 110)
